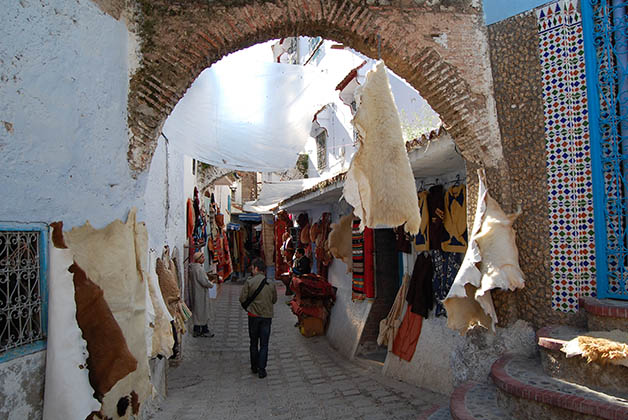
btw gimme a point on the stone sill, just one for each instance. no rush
(605, 307)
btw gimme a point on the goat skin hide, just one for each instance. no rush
(491, 262)
(380, 183)
(113, 259)
(339, 241)
(600, 346)
(68, 393)
(162, 340)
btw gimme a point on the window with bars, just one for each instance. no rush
(321, 150)
(23, 293)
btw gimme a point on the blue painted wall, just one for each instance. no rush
(496, 10)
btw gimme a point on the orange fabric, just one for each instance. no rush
(408, 335)
(190, 217)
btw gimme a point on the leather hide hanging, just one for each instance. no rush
(162, 340)
(112, 263)
(339, 241)
(491, 262)
(380, 184)
(68, 393)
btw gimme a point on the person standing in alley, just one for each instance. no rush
(257, 298)
(200, 297)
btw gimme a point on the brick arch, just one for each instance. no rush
(440, 51)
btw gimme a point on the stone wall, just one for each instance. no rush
(22, 387)
(514, 51)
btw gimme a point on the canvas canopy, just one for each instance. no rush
(254, 118)
(272, 193)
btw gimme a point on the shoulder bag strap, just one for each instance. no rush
(251, 298)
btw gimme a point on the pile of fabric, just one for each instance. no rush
(312, 303)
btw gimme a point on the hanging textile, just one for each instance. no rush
(408, 335)
(455, 221)
(362, 252)
(420, 294)
(191, 218)
(268, 243)
(436, 208)
(323, 255)
(281, 226)
(402, 240)
(389, 326)
(446, 266)
(222, 256)
(369, 274)
(421, 240)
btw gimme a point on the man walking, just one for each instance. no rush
(257, 298)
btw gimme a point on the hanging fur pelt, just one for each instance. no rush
(491, 262)
(339, 241)
(380, 184)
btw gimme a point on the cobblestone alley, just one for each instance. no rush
(306, 378)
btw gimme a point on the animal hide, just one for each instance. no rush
(601, 347)
(68, 393)
(491, 261)
(162, 340)
(339, 242)
(380, 184)
(389, 326)
(112, 260)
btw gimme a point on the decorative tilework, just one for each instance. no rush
(572, 254)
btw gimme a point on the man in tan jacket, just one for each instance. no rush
(260, 312)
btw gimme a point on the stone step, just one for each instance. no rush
(473, 400)
(527, 392)
(436, 413)
(605, 314)
(610, 379)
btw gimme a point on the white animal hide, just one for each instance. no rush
(68, 393)
(339, 241)
(380, 184)
(491, 261)
(114, 258)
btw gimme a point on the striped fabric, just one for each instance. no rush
(363, 285)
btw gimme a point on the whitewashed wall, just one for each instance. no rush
(64, 78)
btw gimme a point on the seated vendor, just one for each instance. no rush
(301, 264)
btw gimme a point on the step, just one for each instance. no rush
(436, 413)
(473, 400)
(610, 379)
(527, 392)
(605, 314)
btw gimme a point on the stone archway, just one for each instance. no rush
(438, 46)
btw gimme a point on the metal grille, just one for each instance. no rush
(20, 289)
(605, 25)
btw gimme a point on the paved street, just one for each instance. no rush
(306, 378)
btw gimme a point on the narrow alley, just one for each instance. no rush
(306, 379)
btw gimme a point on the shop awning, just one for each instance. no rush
(274, 192)
(250, 217)
(233, 226)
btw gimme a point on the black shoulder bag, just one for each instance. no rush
(251, 298)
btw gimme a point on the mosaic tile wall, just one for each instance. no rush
(568, 163)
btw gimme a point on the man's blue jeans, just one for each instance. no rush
(259, 333)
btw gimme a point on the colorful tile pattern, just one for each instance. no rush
(561, 50)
